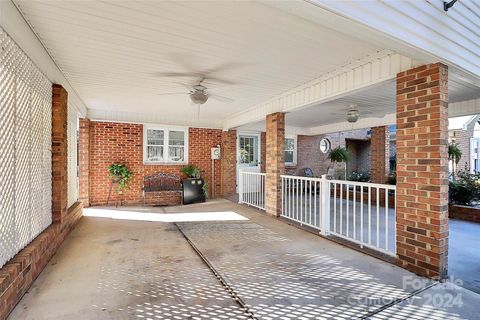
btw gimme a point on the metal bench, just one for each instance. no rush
(160, 182)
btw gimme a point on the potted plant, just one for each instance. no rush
(194, 186)
(119, 173)
(338, 155)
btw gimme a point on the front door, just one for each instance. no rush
(248, 153)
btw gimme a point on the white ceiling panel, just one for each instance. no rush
(112, 51)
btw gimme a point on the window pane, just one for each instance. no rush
(289, 156)
(176, 138)
(176, 154)
(248, 150)
(289, 144)
(154, 153)
(155, 137)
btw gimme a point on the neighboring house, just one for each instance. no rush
(465, 132)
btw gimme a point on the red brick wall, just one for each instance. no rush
(123, 142)
(422, 170)
(310, 156)
(275, 163)
(84, 162)
(229, 162)
(380, 150)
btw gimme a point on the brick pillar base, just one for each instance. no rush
(84, 162)
(229, 162)
(380, 154)
(275, 163)
(422, 170)
(59, 153)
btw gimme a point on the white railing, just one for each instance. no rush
(251, 189)
(304, 200)
(364, 213)
(360, 212)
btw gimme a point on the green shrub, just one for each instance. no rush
(465, 189)
(360, 176)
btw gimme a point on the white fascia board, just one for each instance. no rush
(370, 71)
(387, 120)
(14, 24)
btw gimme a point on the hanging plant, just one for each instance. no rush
(339, 155)
(119, 173)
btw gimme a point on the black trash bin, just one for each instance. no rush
(193, 190)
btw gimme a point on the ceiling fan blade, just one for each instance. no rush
(215, 80)
(178, 74)
(220, 98)
(171, 93)
(222, 67)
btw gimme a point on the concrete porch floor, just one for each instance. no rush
(138, 265)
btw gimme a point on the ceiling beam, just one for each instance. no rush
(358, 75)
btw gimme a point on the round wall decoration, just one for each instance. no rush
(325, 145)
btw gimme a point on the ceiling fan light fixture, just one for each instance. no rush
(353, 114)
(198, 97)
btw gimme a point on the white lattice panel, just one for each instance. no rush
(72, 176)
(25, 150)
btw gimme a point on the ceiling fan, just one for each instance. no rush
(199, 93)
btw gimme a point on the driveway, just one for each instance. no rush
(220, 260)
(464, 253)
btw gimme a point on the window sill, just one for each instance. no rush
(165, 163)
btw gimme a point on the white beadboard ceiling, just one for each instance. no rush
(110, 51)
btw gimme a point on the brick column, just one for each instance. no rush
(84, 162)
(59, 152)
(229, 162)
(263, 152)
(275, 163)
(422, 170)
(380, 154)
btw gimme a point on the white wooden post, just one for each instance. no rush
(240, 187)
(325, 202)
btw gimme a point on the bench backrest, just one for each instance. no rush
(161, 182)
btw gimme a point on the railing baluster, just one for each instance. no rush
(361, 216)
(354, 211)
(335, 208)
(369, 215)
(386, 219)
(378, 217)
(347, 186)
(341, 208)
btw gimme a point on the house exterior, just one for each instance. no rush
(461, 131)
(86, 86)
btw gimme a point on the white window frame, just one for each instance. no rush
(166, 130)
(294, 163)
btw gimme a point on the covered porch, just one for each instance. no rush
(243, 100)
